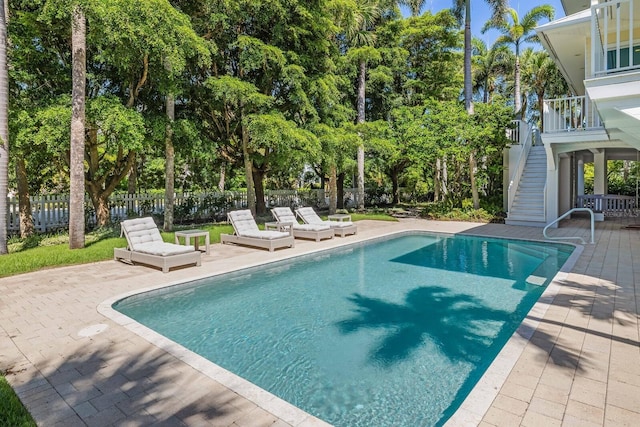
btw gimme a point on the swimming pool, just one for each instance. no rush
(394, 332)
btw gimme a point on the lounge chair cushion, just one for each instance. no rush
(266, 234)
(286, 215)
(143, 236)
(163, 248)
(311, 217)
(245, 226)
(243, 222)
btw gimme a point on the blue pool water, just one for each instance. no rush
(391, 333)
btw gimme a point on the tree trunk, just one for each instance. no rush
(472, 178)
(333, 190)
(76, 159)
(169, 165)
(248, 171)
(541, 109)
(100, 201)
(395, 188)
(132, 179)
(516, 86)
(24, 203)
(4, 130)
(362, 80)
(340, 191)
(437, 181)
(468, 81)
(258, 183)
(223, 172)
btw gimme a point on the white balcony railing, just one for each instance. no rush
(570, 114)
(612, 27)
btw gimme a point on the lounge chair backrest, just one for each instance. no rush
(242, 222)
(309, 216)
(140, 230)
(284, 215)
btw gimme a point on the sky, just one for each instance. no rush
(480, 13)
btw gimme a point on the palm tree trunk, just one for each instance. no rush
(76, 159)
(248, 171)
(362, 76)
(333, 190)
(472, 177)
(4, 130)
(468, 81)
(24, 203)
(169, 165)
(516, 85)
(340, 191)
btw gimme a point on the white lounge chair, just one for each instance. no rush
(317, 232)
(247, 233)
(341, 228)
(145, 245)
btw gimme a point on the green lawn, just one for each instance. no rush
(12, 413)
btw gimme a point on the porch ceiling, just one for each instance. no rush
(565, 40)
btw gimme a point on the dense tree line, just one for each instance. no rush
(203, 94)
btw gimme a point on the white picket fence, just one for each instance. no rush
(51, 212)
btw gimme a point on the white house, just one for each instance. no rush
(596, 46)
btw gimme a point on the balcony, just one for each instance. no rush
(570, 114)
(612, 27)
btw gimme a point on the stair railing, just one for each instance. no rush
(522, 160)
(569, 212)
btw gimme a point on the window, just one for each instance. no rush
(624, 57)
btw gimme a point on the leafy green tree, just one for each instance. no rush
(489, 66)
(516, 33)
(542, 78)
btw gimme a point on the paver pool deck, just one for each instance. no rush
(575, 361)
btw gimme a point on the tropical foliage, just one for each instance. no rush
(253, 95)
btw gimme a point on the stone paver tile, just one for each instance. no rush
(534, 419)
(618, 417)
(623, 395)
(585, 412)
(500, 418)
(517, 391)
(551, 393)
(511, 405)
(256, 418)
(545, 407)
(589, 391)
(108, 417)
(571, 421)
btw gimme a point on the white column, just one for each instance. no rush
(580, 177)
(600, 172)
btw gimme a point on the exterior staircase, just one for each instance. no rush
(528, 203)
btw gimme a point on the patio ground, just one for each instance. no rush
(574, 361)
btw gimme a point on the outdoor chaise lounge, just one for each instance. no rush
(341, 228)
(247, 233)
(317, 232)
(145, 245)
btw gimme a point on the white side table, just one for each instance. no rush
(196, 234)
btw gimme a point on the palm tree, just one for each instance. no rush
(541, 77)
(360, 35)
(488, 66)
(76, 159)
(4, 130)
(463, 8)
(516, 33)
(415, 6)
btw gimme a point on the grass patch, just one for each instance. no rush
(12, 412)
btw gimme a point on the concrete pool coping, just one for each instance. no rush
(105, 378)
